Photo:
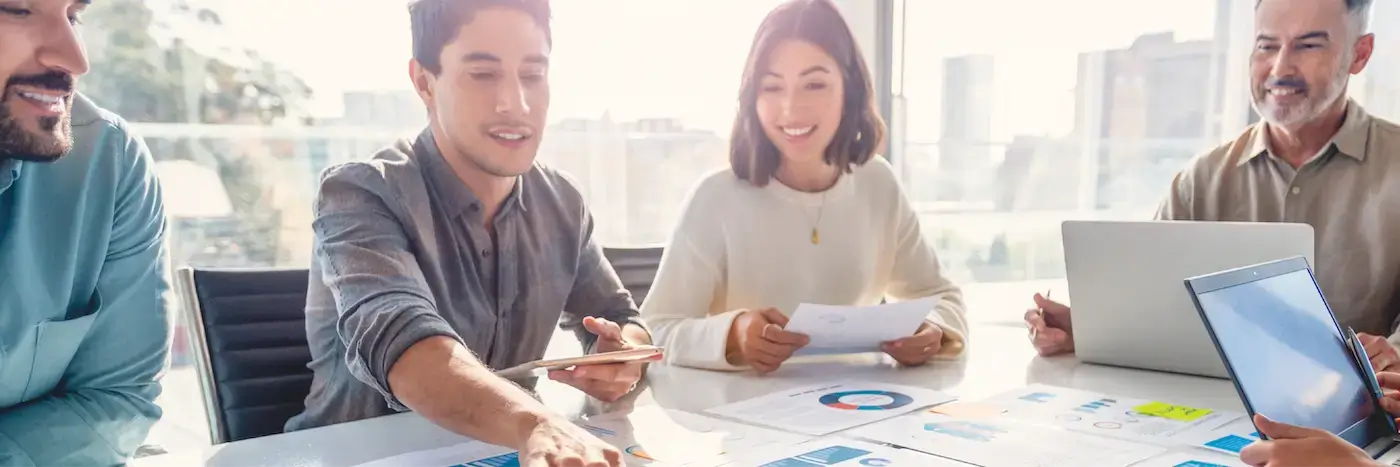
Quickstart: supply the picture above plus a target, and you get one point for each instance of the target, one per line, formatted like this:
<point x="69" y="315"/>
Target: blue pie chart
<point x="895" y="400"/>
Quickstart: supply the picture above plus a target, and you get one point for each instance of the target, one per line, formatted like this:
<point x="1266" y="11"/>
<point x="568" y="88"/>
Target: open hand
<point x="606" y="382"/>
<point x="757" y="338"/>
<point x="1049" y="326"/>
<point x="917" y="349"/>
<point x="558" y="443"/>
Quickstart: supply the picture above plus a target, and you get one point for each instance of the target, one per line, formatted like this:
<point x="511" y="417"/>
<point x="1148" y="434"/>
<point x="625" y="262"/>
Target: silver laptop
<point x="1125" y="286"/>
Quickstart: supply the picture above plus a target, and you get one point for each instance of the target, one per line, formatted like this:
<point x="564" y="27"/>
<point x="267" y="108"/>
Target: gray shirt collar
<point x="449" y="189"/>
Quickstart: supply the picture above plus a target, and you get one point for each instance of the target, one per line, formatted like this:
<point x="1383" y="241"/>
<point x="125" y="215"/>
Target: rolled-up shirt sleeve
<point x="383" y="302"/>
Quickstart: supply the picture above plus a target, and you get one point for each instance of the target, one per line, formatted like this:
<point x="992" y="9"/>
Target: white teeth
<point x="798" y="131"/>
<point x="1284" y="91"/>
<point x="508" y="136"/>
<point x="42" y="97"/>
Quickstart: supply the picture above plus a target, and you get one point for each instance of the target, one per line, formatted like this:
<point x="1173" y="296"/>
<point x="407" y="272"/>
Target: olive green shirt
<point x="1349" y="193"/>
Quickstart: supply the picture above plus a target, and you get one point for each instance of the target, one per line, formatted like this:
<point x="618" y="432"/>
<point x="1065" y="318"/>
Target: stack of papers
<point x="1036" y="426"/>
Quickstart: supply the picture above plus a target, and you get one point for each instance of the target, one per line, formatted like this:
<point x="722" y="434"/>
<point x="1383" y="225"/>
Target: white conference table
<point x="998" y="360"/>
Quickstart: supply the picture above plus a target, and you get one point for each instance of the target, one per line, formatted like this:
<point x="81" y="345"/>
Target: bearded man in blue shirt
<point x="83" y="279"/>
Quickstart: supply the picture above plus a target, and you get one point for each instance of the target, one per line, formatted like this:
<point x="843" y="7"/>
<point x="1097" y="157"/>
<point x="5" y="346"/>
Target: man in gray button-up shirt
<point x="445" y="256"/>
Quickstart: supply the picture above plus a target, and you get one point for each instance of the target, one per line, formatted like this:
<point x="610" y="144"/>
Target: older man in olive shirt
<point x="1317" y="158"/>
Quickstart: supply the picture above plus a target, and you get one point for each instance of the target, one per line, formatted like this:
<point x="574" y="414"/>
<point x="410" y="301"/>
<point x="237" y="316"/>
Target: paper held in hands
<point x="857" y="329"/>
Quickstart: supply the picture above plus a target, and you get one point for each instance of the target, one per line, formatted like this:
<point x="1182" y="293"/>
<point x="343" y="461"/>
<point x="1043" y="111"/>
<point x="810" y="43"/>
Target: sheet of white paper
<point x="470" y="454"/>
<point x="1104" y="415"/>
<point x="1192" y="458"/>
<point x="856" y="329"/>
<point x="1005" y="442"/>
<point x="839" y="452"/>
<point x="653" y="436"/>
<point x="828" y="408"/>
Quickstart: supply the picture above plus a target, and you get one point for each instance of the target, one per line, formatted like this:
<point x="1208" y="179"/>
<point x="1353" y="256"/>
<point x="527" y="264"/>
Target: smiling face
<point x="39" y="60"/>
<point x="1304" y="54"/>
<point x="800" y="99"/>
<point x="491" y="95"/>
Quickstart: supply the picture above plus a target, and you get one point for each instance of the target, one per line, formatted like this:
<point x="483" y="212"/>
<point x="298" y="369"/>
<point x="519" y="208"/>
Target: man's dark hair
<point x="752" y="156"/>
<point x="435" y="23"/>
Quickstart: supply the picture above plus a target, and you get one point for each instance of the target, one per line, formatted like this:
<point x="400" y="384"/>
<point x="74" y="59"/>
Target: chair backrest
<point x="637" y="267"/>
<point x="248" y="331"/>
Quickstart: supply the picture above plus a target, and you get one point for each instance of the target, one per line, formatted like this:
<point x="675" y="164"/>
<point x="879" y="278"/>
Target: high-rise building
<point x="1141" y="112"/>
<point x="966" y="157"/>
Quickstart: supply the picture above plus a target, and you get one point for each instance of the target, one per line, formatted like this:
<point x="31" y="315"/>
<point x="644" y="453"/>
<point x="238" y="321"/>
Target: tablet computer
<point x="1287" y="355"/>
<point x="538" y="367"/>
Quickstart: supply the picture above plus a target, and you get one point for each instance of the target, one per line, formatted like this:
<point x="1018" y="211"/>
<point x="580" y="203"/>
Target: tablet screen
<point x="1287" y="353"/>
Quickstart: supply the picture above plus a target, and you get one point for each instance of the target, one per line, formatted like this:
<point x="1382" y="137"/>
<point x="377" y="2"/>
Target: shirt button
<point x="1297" y="190"/>
<point x="485" y="253"/>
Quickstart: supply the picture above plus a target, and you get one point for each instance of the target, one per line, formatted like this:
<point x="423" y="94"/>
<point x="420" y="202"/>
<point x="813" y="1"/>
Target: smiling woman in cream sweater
<point x="805" y="213"/>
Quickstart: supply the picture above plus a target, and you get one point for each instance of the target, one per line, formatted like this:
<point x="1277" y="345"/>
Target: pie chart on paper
<point x="866" y="400"/>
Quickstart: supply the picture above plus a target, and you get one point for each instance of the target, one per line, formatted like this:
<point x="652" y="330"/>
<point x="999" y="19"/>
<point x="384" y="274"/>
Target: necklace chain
<point x="816" y="232"/>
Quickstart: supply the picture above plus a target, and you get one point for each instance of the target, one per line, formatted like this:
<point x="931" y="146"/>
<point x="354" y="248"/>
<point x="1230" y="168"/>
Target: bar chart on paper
<point x="472" y="454"/>
<point x="503" y="460"/>
<point x="1130" y="419"/>
<point x="1005" y="443"/>
<point x="839" y="452"/>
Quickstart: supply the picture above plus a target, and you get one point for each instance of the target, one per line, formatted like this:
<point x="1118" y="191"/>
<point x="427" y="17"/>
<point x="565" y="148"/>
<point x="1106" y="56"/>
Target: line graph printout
<point x="1004" y="443"/>
<point x="828" y="408"/>
<point x="1139" y="420"/>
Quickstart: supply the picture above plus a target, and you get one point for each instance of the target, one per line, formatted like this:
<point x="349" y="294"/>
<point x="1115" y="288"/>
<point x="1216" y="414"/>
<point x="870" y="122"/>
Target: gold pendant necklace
<point x="816" y="234"/>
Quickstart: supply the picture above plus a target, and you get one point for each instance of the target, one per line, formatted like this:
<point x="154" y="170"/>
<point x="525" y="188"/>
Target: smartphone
<point x="539" y="367"/>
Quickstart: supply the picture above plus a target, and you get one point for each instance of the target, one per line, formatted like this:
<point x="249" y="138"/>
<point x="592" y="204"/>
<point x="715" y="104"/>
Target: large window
<point x="1008" y="123"/>
<point x="1004" y="123"/>
<point x="244" y="103"/>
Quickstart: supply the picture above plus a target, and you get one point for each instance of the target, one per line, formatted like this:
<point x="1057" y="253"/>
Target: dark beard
<point x="17" y="143"/>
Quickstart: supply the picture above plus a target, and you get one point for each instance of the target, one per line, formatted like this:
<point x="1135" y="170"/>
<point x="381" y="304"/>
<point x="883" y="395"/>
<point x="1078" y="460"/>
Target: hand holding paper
<point x="856" y="329"/>
<point x="917" y="349"/>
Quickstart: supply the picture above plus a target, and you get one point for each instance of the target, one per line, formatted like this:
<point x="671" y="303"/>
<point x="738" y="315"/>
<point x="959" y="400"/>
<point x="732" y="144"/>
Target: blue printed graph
<point x="504" y="460"/>
<point x="1231" y="443"/>
<point x="966" y="430"/>
<point x="865" y="400"/>
<point x="1198" y="464"/>
<point x="828" y="456"/>
<point x="604" y="432"/>
<point x="1038" y="397"/>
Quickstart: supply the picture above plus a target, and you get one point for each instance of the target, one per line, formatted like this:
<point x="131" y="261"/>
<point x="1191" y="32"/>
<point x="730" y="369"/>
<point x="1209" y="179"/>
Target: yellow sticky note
<point x="1173" y="412"/>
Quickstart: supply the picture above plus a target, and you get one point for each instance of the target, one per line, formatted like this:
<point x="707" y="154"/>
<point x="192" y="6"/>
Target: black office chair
<point x="247" y="328"/>
<point x="637" y="267"/>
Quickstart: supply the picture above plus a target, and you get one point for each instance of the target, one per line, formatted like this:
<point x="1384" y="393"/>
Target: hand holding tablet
<point x="541" y="367"/>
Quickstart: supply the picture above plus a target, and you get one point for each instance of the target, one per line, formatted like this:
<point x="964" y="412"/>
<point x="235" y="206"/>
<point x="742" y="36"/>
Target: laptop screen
<point x="1287" y="353"/>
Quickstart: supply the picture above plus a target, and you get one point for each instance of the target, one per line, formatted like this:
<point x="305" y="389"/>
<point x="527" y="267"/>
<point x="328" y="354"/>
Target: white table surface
<point x="999" y="360"/>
